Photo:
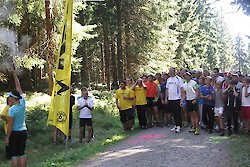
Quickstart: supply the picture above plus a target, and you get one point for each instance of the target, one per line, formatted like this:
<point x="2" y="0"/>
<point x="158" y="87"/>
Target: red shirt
<point x="151" y="89"/>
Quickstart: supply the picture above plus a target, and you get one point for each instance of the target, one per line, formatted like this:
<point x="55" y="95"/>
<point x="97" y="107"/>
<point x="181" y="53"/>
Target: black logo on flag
<point x="64" y="88"/>
<point x="61" y="117"/>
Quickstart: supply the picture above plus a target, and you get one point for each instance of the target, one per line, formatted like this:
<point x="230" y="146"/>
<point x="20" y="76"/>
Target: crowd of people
<point x="213" y="101"/>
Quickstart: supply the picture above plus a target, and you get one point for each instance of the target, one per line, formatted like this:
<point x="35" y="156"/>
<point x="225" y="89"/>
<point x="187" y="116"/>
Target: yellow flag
<point x="60" y="99"/>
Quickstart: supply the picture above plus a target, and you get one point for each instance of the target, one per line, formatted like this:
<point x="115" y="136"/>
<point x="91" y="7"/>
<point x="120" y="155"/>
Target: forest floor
<point x="158" y="147"/>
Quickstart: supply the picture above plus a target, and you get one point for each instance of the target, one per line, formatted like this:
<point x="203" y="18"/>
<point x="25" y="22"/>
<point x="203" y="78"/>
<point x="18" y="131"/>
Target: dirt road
<point x="158" y="147"/>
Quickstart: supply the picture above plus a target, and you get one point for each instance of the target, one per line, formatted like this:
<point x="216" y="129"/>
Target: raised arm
<point x="133" y="87"/>
<point x="17" y="83"/>
<point x="166" y="95"/>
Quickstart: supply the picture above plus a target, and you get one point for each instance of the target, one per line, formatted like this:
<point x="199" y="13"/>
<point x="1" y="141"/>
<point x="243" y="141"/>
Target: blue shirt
<point x="200" y="100"/>
<point x="207" y="91"/>
<point x="18" y="112"/>
<point x="163" y="90"/>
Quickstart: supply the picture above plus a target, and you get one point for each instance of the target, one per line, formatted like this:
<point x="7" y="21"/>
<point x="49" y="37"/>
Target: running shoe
<point x="173" y="129"/>
<point x="178" y="129"/>
<point x="196" y="131"/>
<point x="192" y="130"/>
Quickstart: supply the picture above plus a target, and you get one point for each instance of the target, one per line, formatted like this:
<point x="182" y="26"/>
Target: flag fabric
<point x="60" y="99"/>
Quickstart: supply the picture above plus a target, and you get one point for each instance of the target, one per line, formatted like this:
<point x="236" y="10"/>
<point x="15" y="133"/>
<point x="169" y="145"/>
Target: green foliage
<point x="242" y="56"/>
<point x="36" y="120"/>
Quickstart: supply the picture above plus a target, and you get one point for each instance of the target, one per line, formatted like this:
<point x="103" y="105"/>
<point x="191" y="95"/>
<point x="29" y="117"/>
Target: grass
<point x="240" y="146"/>
<point x="217" y="139"/>
<point x="40" y="149"/>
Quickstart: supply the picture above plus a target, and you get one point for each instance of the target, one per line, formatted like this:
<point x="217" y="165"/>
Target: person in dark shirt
<point x="72" y="103"/>
<point x="167" y="113"/>
<point x="231" y="104"/>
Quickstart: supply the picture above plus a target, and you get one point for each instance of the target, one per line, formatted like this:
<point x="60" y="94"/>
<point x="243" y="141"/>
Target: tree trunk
<point x="49" y="56"/>
<point x="114" y="65"/>
<point x="106" y="54"/>
<point x="119" y="41"/>
<point x="84" y="70"/>
<point x="26" y="80"/>
<point x="90" y="65"/>
<point x="127" y="41"/>
<point x="37" y="72"/>
<point x="102" y="72"/>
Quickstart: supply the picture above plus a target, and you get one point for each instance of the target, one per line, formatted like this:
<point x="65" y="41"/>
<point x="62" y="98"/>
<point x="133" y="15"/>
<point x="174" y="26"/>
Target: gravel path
<point x="158" y="147"/>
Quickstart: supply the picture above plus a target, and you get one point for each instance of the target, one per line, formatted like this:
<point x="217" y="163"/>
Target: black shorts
<point x="85" y="122"/>
<point x="163" y="107"/>
<point x="126" y="115"/>
<point x="151" y="103"/>
<point x="18" y="143"/>
<point x="191" y="107"/>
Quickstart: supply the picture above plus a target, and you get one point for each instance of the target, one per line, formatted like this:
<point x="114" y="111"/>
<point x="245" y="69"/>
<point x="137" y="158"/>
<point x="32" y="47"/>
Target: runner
<point x="219" y="107"/>
<point x="152" y="99"/>
<point x="158" y="81"/>
<point x="174" y="88"/>
<point x="129" y="85"/>
<point x="216" y="74"/>
<point x="158" y="78"/>
<point x="164" y="106"/>
<point x="200" y="101"/>
<point x="5" y="117"/>
<point x="145" y="78"/>
<point x="231" y="112"/>
<point x="140" y="90"/>
<point x="17" y="130"/>
<point x="72" y="103"/>
<point x="124" y="96"/>
<point x="207" y="93"/>
<point x="85" y="105"/>
<point x="191" y="93"/>
<point x="245" y="99"/>
<point x="206" y="73"/>
<point x="184" y="113"/>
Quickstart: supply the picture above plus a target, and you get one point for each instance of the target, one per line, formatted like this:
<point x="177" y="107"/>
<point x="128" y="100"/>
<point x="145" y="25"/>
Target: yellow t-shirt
<point x="140" y="95"/>
<point x="5" y="113"/>
<point x="132" y="101"/>
<point x="157" y="82"/>
<point x="124" y="103"/>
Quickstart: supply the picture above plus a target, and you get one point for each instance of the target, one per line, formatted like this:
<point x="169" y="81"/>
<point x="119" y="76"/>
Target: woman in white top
<point x="245" y="104"/>
<point x="191" y="93"/>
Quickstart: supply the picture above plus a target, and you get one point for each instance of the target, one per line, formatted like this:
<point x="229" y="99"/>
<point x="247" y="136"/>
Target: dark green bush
<point x="36" y="121"/>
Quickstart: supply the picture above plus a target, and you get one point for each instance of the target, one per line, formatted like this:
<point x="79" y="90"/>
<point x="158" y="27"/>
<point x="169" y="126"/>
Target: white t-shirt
<point x="174" y="85"/>
<point x="245" y="101"/>
<point x="85" y="112"/>
<point x="219" y="79"/>
<point x="190" y="88"/>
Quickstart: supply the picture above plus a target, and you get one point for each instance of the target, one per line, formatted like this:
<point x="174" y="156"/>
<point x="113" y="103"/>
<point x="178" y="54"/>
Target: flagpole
<point x="66" y="148"/>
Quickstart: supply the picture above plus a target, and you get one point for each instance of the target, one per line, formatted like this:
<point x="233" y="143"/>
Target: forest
<point x="113" y="39"/>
